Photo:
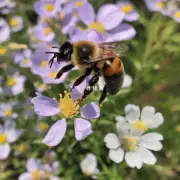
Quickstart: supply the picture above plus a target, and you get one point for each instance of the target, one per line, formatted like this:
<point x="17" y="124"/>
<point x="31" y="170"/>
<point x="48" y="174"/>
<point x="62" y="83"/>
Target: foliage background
<point x="153" y="61"/>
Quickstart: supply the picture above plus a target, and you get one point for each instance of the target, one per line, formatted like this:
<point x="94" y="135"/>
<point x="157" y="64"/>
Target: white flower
<point x="135" y="149"/>
<point x="8" y="134"/>
<point x="127" y="81"/>
<point x="15" y="84"/>
<point x="89" y="166"/>
<point x="140" y="121"/>
<point x="16" y="23"/>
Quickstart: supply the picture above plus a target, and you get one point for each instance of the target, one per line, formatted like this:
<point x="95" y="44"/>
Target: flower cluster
<point x="131" y="141"/>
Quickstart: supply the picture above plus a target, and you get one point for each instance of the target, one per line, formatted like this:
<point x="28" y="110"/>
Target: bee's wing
<point x="120" y="48"/>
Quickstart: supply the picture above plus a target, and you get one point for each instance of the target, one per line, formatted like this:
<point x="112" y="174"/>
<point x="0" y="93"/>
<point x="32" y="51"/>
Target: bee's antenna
<point x="55" y="47"/>
<point x="51" y="52"/>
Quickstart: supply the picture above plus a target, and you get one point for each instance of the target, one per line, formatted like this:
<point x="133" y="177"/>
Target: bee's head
<point x="66" y="51"/>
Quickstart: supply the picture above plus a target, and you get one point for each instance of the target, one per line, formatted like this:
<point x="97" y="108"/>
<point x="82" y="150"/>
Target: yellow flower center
<point x="97" y="26"/>
<point x="3" y="138"/>
<point x="52" y="74"/>
<point x="177" y="15"/>
<point x="25" y="61"/>
<point x="8" y="113"/>
<point x="127" y="8"/>
<point x="11" y="82"/>
<point x="47" y="175"/>
<point x="61" y="16"/>
<point x="129" y="143"/>
<point x="49" y="7"/>
<point x="3" y="51"/>
<point x="36" y="175"/>
<point x="21" y="148"/>
<point x="160" y="4"/>
<point x="44" y="63"/>
<point x="47" y="30"/>
<point x="79" y="3"/>
<point x="139" y="126"/>
<point x="14" y="22"/>
<point x="42" y="86"/>
<point x="43" y="127"/>
<point x="68" y="107"/>
<point x="87" y="172"/>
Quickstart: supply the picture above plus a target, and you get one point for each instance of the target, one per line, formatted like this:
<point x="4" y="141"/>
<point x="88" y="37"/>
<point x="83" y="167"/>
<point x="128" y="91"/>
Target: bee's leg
<point x="82" y="78"/>
<point x="103" y="95"/>
<point x="63" y="70"/>
<point x="87" y="91"/>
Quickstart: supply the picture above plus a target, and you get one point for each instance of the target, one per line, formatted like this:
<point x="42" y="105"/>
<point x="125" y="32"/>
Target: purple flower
<point x="46" y="8"/>
<point x="7" y="6"/>
<point x="107" y="18"/>
<point x="176" y="16"/>
<point x="43" y="32"/>
<point x="23" y="58"/>
<point x="8" y="134"/>
<point x="45" y="106"/>
<point x="130" y="13"/>
<point x="41" y="67"/>
<point x="4" y="30"/>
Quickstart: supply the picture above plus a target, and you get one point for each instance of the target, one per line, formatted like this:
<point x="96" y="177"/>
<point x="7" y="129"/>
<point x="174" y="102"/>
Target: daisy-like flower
<point x="43" y="32"/>
<point x="141" y="122"/>
<point x="46" y="8"/>
<point x="107" y="18"/>
<point x="34" y="170"/>
<point x="89" y="166"/>
<point x="6" y="110"/>
<point x="16" y="23"/>
<point x="133" y="147"/>
<point x="4" y="31"/>
<point x="42" y="127"/>
<point x="7" y="6"/>
<point x="67" y="107"/>
<point x="130" y="13"/>
<point x="176" y="15"/>
<point x="40" y="87"/>
<point x="40" y="66"/>
<point x="8" y="135"/>
<point x="21" y="149"/>
<point x="23" y="58"/>
<point x="15" y="84"/>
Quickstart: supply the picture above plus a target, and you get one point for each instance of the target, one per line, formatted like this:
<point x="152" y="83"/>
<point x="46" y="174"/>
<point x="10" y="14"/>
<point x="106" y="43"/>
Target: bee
<point x="99" y="59"/>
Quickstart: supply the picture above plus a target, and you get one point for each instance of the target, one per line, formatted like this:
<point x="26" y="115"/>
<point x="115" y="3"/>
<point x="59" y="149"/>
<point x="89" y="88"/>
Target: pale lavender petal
<point x="25" y="176"/>
<point x="133" y="16"/>
<point x="90" y="111"/>
<point x="45" y="106"/>
<point x="122" y="32"/>
<point x="82" y="128"/>
<point x="77" y="34"/>
<point x="87" y="13"/>
<point x="110" y="16"/>
<point x="56" y="133"/>
<point x="4" y="151"/>
<point x="4" y="30"/>
<point x="94" y="36"/>
<point x="32" y="164"/>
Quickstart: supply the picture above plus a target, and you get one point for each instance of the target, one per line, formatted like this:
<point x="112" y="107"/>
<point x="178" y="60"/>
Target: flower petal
<point x="4" y="151"/>
<point x="25" y="176"/>
<point x="132" y="112"/>
<point x="110" y="16"/>
<point x="56" y="133"/>
<point x="90" y="111"/>
<point x="151" y="141"/>
<point x="45" y="106"/>
<point x="89" y="17"/>
<point x="146" y="156"/>
<point x="116" y="155"/>
<point x="82" y="128"/>
<point x="112" y="141"/>
<point x="94" y="36"/>
<point x="32" y="164"/>
<point x="147" y="113"/>
<point x="157" y="120"/>
<point x="133" y="160"/>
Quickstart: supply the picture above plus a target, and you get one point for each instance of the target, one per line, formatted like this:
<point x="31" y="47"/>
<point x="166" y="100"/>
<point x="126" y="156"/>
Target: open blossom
<point x="8" y="135"/>
<point x="23" y="58"/>
<point x="130" y="13"/>
<point x="89" y="166"/>
<point x="16" y="23"/>
<point x="140" y="122"/>
<point x="7" y="6"/>
<point x="46" y="8"/>
<point x="67" y="107"/>
<point x="40" y="66"/>
<point x="15" y="84"/>
<point x="6" y="111"/>
<point x="4" y="30"/>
